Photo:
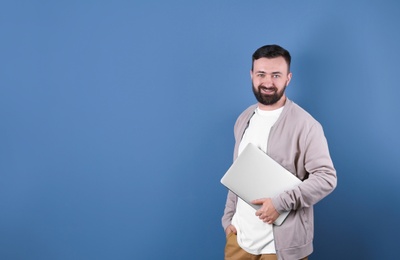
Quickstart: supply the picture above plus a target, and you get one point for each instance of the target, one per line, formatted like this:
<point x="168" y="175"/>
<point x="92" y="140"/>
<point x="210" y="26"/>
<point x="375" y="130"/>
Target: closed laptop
<point x="255" y="175"/>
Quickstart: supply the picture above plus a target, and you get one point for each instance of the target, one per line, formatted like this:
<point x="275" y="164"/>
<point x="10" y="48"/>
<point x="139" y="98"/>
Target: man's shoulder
<point x="296" y="112"/>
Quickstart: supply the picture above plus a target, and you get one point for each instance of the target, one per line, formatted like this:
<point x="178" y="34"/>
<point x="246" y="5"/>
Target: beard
<point x="268" y="99"/>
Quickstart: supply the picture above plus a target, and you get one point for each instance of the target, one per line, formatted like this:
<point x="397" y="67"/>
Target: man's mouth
<point x="267" y="91"/>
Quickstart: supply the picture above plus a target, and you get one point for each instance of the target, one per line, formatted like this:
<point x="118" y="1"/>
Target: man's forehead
<point x="266" y="65"/>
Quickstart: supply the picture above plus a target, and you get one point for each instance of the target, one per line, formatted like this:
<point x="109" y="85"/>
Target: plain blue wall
<point x="117" y="116"/>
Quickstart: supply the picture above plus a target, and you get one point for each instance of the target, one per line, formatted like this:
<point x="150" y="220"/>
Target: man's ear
<point x="289" y="78"/>
<point x="251" y="74"/>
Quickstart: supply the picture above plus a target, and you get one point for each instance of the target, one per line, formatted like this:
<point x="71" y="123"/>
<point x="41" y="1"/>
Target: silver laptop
<point x="255" y="175"/>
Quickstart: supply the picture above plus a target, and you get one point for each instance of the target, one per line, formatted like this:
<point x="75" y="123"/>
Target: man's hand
<point x="230" y="229"/>
<point x="267" y="213"/>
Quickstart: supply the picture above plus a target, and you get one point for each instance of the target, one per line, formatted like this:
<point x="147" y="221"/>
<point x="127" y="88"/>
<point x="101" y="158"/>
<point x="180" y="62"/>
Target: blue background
<point x="117" y="117"/>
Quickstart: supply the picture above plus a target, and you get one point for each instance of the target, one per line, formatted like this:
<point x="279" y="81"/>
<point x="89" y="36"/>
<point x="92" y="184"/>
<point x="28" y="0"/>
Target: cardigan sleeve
<point x="230" y="209"/>
<point x="315" y="168"/>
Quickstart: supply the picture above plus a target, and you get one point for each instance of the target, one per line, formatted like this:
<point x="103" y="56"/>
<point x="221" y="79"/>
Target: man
<point x="293" y="138"/>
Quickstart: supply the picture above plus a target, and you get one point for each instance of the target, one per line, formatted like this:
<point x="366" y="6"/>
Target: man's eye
<point x="261" y="75"/>
<point x="276" y="76"/>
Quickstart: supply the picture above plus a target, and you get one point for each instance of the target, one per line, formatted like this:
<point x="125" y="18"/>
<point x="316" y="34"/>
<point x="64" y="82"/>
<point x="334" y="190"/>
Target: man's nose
<point x="267" y="80"/>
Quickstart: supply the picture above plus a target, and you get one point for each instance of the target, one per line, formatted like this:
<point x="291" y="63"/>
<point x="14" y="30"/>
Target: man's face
<point x="270" y="78"/>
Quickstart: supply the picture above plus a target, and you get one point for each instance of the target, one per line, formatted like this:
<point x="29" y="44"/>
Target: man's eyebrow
<point x="273" y="73"/>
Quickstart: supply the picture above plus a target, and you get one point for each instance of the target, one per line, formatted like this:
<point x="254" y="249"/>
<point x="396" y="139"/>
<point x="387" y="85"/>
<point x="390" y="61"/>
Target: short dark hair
<point x="271" y="51"/>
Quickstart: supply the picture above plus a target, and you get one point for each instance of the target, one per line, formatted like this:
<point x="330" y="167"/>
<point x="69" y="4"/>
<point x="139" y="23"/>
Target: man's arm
<point x="321" y="174"/>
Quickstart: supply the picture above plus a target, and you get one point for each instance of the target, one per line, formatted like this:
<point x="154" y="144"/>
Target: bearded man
<point x="293" y="138"/>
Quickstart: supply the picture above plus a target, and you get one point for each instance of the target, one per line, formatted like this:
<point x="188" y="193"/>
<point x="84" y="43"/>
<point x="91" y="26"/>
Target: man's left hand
<point x="267" y="213"/>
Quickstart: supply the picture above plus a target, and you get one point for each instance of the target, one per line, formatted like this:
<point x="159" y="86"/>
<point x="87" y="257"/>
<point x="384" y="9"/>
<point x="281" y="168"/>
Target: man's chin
<point x="269" y="100"/>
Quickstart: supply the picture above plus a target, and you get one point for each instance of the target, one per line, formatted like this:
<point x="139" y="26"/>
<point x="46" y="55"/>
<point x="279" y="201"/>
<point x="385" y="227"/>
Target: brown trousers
<point x="234" y="252"/>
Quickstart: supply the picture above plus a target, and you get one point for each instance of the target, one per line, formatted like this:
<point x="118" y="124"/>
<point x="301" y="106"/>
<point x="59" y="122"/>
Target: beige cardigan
<point x="298" y="143"/>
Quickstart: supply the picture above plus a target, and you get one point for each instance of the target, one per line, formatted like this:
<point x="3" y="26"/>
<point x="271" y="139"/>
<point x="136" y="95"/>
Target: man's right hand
<point x="230" y="229"/>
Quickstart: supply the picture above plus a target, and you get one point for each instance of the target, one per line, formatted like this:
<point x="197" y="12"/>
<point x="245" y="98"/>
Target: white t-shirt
<point x="255" y="236"/>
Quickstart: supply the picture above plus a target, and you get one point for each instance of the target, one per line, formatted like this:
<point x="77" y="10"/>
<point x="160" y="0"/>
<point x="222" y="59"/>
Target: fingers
<point x="267" y="212"/>
<point x="233" y="229"/>
<point x="267" y="219"/>
<point x="267" y="216"/>
<point x="258" y="201"/>
<point x="230" y="229"/>
<point x="262" y="214"/>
